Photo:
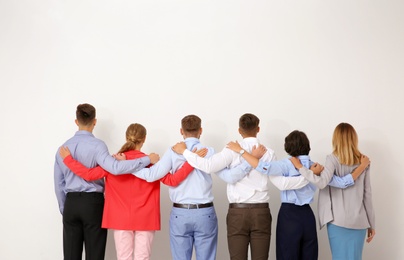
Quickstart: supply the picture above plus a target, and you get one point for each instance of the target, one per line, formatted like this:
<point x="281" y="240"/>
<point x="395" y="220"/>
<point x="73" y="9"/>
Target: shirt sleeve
<point x="213" y="164"/>
<point x="59" y="182"/>
<point x="116" y="167"/>
<point x="89" y="174"/>
<point x="180" y="175"/>
<point x="342" y="182"/>
<point x="233" y="175"/>
<point x="326" y="175"/>
<point x="158" y="170"/>
<point x="288" y="183"/>
<point x="271" y="168"/>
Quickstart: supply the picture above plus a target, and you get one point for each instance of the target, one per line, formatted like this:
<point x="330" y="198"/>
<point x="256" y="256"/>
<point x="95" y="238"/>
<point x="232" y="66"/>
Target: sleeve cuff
<point x="349" y="181"/>
<point x="246" y="167"/>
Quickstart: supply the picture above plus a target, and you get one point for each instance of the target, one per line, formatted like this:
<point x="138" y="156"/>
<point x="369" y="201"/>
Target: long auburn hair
<point x="135" y="134"/>
<point x="345" y="144"/>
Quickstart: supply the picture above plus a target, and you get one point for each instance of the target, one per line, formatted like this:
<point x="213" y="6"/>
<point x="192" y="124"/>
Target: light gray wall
<point x="305" y="65"/>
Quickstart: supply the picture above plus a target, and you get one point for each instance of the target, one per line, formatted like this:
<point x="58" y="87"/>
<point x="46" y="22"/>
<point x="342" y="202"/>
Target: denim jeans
<point x="193" y="228"/>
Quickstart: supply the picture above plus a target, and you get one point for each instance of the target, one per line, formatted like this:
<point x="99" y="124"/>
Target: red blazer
<point x="131" y="203"/>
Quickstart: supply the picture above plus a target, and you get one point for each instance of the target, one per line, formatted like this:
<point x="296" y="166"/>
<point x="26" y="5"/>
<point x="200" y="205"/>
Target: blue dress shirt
<point x="195" y="189"/>
<point x="91" y="152"/>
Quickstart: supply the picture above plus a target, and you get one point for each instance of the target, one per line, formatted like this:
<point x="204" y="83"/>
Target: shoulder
<point x="133" y="154"/>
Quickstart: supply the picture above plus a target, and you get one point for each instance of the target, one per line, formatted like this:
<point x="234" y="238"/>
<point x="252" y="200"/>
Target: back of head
<point x="85" y="114"/>
<point x="135" y="135"/>
<point x="249" y="124"/>
<point x="191" y="125"/>
<point x="297" y="143"/>
<point x="345" y="144"/>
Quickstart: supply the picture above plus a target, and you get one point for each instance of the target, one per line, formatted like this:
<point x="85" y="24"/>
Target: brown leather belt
<point x="193" y="206"/>
<point x="248" y="205"/>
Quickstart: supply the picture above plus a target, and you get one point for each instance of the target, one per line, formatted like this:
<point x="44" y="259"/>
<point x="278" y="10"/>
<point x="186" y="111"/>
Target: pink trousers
<point x="131" y="245"/>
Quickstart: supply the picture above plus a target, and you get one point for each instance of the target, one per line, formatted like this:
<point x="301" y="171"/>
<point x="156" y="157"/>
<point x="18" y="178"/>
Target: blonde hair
<point x="135" y="134"/>
<point x="345" y="144"/>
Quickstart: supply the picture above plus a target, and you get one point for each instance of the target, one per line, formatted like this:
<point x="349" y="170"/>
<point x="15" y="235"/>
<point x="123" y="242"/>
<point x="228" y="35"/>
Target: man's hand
<point x="317" y="168"/>
<point x="259" y="151"/>
<point x="64" y="152"/>
<point x="201" y="152"/>
<point x="119" y="156"/>
<point x="179" y="147"/>
<point x="154" y="158"/>
<point x="371" y="234"/>
<point x="234" y="146"/>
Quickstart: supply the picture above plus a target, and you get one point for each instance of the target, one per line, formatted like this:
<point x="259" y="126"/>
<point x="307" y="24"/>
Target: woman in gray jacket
<point x="348" y="213"/>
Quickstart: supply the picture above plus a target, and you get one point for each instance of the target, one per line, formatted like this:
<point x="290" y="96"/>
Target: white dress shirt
<point x="253" y="187"/>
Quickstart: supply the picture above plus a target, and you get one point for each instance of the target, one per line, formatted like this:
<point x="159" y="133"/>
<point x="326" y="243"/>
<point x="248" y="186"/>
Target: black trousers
<point x="82" y="217"/>
<point x="296" y="234"/>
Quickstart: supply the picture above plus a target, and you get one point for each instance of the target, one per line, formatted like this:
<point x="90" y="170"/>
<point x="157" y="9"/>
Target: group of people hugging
<point x="97" y="191"/>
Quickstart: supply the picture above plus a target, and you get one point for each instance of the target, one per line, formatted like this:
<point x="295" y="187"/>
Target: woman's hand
<point x="371" y="234"/>
<point x="259" y="151"/>
<point x="64" y="152"/>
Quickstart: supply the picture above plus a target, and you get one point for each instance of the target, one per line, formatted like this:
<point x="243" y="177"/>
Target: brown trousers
<point x="249" y="225"/>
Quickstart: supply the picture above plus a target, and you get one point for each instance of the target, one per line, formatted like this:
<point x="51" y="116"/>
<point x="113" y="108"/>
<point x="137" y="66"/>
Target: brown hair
<point x="191" y="124"/>
<point x="249" y="124"/>
<point x="345" y="144"/>
<point x="135" y="134"/>
<point x="85" y="114"/>
<point x="297" y="143"/>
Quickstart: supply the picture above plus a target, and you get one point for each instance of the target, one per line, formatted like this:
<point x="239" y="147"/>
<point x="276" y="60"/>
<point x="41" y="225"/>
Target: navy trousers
<point x="296" y="235"/>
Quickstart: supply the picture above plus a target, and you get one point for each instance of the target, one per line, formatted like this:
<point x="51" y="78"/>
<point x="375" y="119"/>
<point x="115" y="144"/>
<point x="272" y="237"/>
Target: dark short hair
<point x="85" y="114"/>
<point x="191" y="124"/>
<point x="249" y="124"/>
<point x="297" y="143"/>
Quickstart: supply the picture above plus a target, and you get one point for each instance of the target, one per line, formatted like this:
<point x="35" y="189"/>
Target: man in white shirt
<point x="249" y="218"/>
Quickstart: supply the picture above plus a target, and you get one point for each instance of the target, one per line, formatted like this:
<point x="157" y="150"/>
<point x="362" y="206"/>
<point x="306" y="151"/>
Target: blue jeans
<point x="193" y="227"/>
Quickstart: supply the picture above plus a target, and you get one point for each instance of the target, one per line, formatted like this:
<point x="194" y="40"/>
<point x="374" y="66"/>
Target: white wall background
<point x="305" y="65"/>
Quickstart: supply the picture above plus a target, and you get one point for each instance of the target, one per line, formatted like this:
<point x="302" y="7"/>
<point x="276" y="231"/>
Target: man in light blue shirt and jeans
<point x="193" y="221"/>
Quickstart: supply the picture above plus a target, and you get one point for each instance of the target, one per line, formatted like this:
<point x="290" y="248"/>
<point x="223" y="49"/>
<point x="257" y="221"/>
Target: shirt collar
<point x="83" y="132"/>
<point x="253" y="140"/>
<point x="191" y="140"/>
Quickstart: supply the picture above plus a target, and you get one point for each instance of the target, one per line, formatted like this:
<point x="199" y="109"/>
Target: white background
<point x="305" y="65"/>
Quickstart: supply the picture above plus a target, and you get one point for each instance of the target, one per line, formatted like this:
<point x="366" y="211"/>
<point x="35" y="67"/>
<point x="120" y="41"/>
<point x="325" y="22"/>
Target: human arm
<point x="368" y="204"/>
<point x="180" y="175"/>
<point x="288" y="183"/>
<point x="341" y="182"/>
<point x="158" y="170"/>
<point x="176" y="178"/>
<point x="253" y="161"/>
<point x="235" y="174"/>
<point x="213" y="164"/>
<point x="59" y="183"/>
<point x="327" y="173"/>
<point x="116" y="167"/>
<point x="88" y="174"/>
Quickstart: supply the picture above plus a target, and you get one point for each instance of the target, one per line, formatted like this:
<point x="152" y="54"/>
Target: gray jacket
<point x="351" y="207"/>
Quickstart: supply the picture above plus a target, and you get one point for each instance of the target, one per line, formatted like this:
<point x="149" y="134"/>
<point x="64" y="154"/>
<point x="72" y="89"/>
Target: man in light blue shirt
<point x="193" y="221"/>
<point x="80" y="202"/>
